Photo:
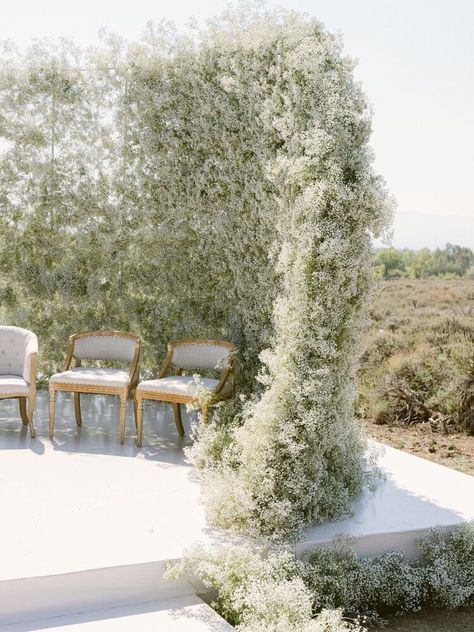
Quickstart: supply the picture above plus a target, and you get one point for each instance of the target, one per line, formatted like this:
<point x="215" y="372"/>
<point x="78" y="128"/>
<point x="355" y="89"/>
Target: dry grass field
<point x="417" y="373"/>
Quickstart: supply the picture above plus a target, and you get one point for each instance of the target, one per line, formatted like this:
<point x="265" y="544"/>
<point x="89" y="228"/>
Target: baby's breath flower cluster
<point x="272" y="591"/>
<point x="447" y="563"/>
<point x="442" y="576"/>
<point x="294" y="457"/>
<point x="258" y="592"/>
<point x="215" y="184"/>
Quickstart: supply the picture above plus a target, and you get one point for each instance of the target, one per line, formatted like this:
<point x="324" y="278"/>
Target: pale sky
<point x="416" y="62"/>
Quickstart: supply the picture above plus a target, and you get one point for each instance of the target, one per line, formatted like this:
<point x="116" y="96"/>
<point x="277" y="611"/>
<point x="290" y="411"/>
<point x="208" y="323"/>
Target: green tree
<point x="391" y="262"/>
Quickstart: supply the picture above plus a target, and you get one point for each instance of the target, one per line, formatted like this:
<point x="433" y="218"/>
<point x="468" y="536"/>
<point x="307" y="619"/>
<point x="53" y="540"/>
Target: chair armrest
<point x="69" y="355"/>
<point x="226" y="375"/>
<point x="29" y="366"/>
<point x="134" y="366"/>
<point x="33" y="360"/>
<point x="166" y="364"/>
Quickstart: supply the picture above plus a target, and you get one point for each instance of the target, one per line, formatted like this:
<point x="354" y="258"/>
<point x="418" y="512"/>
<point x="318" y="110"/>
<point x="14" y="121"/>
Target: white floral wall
<point x="216" y="184"/>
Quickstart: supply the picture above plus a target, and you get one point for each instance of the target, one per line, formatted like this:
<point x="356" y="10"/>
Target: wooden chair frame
<point x="27" y="416"/>
<point x="77" y="389"/>
<point x="177" y="400"/>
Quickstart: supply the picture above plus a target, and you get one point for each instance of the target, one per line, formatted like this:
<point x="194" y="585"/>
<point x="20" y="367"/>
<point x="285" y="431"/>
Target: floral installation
<point x="332" y="589"/>
<point x="213" y="184"/>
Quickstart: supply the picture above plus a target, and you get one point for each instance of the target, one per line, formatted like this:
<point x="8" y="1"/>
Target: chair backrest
<point x="105" y="345"/>
<point x="202" y="354"/>
<point x="16" y="346"/>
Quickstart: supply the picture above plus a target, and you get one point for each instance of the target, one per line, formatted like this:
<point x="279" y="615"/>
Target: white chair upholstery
<point x="13" y="384"/>
<point x="104" y="348"/>
<point x="200" y="355"/>
<point x="97" y="345"/>
<point x="16" y="348"/>
<point x="181" y="385"/>
<point x="89" y="376"/>
<point x="18" y="353"/>
<point x="182" y="389"/>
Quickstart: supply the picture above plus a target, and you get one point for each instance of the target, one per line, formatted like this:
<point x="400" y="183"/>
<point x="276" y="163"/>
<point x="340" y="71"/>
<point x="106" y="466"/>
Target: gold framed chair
<point x="103" y="346"/>
<point x="18" y="355"/>
<point x="177" y="389"/>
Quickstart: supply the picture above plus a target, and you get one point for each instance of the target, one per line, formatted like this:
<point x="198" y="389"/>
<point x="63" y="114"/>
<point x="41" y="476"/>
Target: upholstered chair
<point x="110" y="346"/>
<point x="179" y="388"/>
<point x="18" y="353"/>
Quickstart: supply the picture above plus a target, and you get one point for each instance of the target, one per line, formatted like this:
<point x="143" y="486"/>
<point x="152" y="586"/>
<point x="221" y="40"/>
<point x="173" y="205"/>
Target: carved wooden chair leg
<point x="24" y="416"/>
<point x="178" y="420"/>
<point x="123" y="415"/>
<point x="139" y="421"/>
<point x="31" y="410"/>
<point x="205" y="414"/>
<point x="52" y="412"/>
<point x="135" y="405"/>
<point x="77" y="408"/>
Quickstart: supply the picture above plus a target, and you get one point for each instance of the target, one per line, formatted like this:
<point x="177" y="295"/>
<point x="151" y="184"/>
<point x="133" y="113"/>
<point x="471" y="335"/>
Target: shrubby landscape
<point x="418" y="359"/>
<point x="416" y="380"/>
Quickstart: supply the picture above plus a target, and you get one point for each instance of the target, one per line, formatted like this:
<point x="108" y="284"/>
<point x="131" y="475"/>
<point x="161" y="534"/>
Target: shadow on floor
<point x="99" y="433"/>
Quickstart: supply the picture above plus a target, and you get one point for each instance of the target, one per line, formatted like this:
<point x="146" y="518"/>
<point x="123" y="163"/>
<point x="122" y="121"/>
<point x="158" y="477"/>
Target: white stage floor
<point x="84" y="501"/>
<point x="88" y="524"/>
<point x="415" y="495"/>
<point x="178" y="614"/>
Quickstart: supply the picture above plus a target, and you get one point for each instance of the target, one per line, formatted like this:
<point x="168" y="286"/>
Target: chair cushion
<point x="180" y="385"/>
<point x="90" y="376"/>
<point x="13" y="384"/>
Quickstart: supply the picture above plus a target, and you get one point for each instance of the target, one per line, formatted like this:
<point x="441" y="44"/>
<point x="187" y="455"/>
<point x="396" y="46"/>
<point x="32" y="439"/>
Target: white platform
<point x="179" y="614"/>
<point x="414" y="496"/>
<point x="85" y="502"/>
<point x="88" y="524"/>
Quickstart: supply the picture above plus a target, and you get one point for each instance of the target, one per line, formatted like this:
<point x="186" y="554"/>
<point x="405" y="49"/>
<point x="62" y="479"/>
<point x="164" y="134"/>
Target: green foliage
<point x="374" y="587"/>
<point x="257" y="591"/>
<point x="449" y="263"/>
<point x="418" y="363"/>
<point x="217" y="184"/>
<point x="392" y="584"/>
<point x="297" y="457"/>
<point x="447" y="567"/>
<point x="272" y="590"/>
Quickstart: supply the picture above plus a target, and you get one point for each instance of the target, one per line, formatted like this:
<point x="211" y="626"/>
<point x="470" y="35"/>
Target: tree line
<point x="449" y="262"/>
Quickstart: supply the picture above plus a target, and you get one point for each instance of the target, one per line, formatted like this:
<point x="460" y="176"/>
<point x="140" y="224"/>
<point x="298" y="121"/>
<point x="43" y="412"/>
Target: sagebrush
<point x="418" y="362"/>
